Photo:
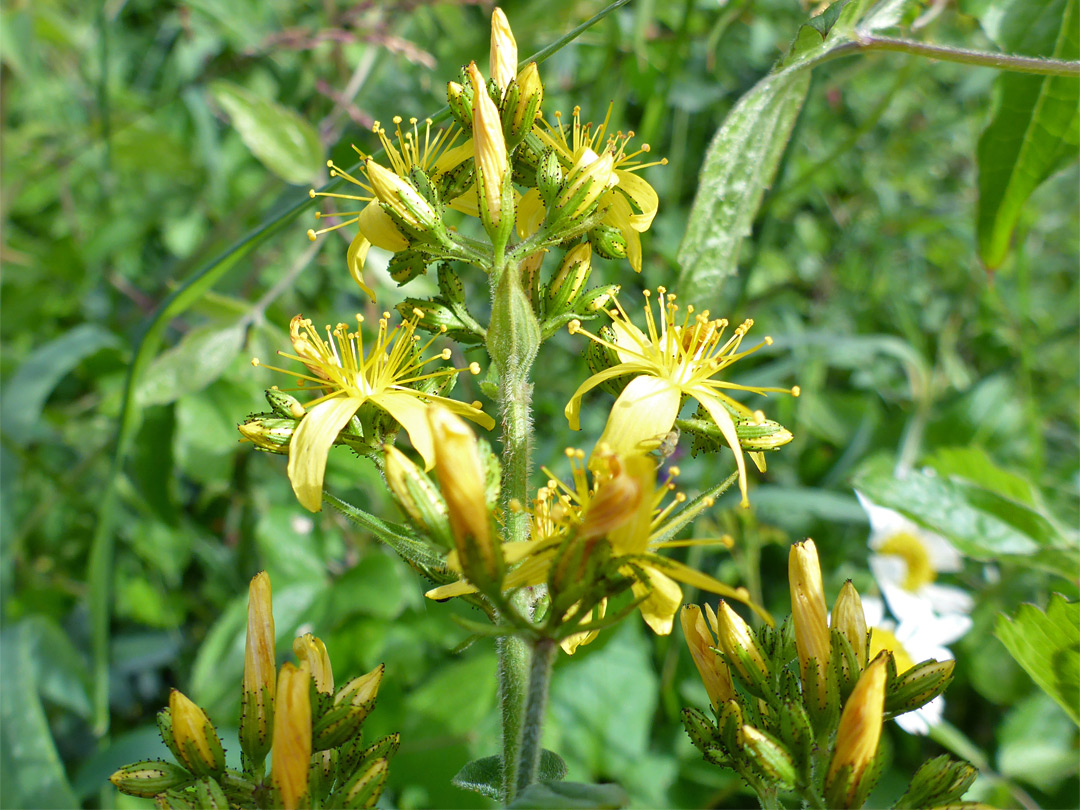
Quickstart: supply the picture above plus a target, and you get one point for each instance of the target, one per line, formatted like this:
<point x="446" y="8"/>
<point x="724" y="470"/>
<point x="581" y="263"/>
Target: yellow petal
<point x="659" y="608"/>
<point x="410" y="412"/>
<point x="310" y="447"/>
<point x="646" y="409"/>
<point x="684" y="573"/>
<point x="380" y="230"/>
<point x="468" y="203"/>
<point x="726" y="424"/>
<point x="452" y="158"/>
<point x="620" y="215"/>
<point x="459" y="588"/>
<point x="463" y="409"/>
<point x="355" y="258"/>
<point x="572" y="411"/>
<point x="530" y="213"/>
<point x="630" y="341"/>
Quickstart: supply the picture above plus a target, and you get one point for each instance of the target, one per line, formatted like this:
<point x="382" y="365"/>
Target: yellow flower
<point x="434" y="153"/>
<point x="623" y="505"/>
<point x="260" y="669"/>
<point x="492" y="165"/>
<point x="631" y="204"/>
<point x="292" y="736"/>
<point x="349" y="378"/>
<point x="710" y="666"/>
<point x="808" y="611"/>
<point x="857" y="738"/>
<point x="503" y="51"/>
<point x="669" y="361"/>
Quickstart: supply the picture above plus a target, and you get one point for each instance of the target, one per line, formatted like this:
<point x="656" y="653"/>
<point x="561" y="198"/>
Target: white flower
<point x="906" y="560"/>
<point x="920" y="636"/>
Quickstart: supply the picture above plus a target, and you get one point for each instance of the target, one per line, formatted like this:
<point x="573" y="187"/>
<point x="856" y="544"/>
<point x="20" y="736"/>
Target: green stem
<point x="543" y="659"/>
<point x="513" y="680"/>
<point x="967" y="56"/>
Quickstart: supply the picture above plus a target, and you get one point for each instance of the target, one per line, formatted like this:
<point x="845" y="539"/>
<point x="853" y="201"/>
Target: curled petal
<point x="726" y="424"/>
<point x="380" y="230"/>
<point x="355" y="258"/>
<point x="664" y="599"/>
<point x="644" y="197"/>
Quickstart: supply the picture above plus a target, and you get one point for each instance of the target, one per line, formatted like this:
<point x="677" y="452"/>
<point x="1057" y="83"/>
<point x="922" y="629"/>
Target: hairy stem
<point x="543" y="658"/>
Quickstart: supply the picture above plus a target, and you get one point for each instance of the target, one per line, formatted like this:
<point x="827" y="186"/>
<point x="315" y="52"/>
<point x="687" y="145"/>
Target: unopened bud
<point x="701" y="730"/>
<point x="917" y="686"/>
<point x="260" y="673"/>
<point x="380" y="229"/>
<point x="311" y="651"/>
<point x="590" y="177"/>
<point x="284" y="405"/>
<point x="365" y="787"/>
<point x="938" y="782"/>
<point x="809" y="616"/>
<point x="292" y="736"/>
<point x="196" y="739"/>
<point x="522" y="103"/>
<point x="362" y="690"/>
<point x="405" y="265"/>
<point x="857" y="737"/>
<point x="450" y="285"/>
<point x="459" y="98"/>
<point x="272" y="434"/>
<point x="210" y="796"/>
<point x="710" y="666"/>
<point x="608" y="241"/>
<point x="739" y="646"/>
<point x="149" y="778"/>
<point x="401" y="197"/>
<point x="549" y="177"/>
<point x="564" y="289"/>
<point x="850" y="620"/>
<point x="597" y="299"/>
<point x="438" y="318"/>
<point x="492" y="165"/>
<point x="503" y="50"/>
<point x="763" y="435"/>
<point x="769" y="755"/>
<point x="417" y="495"/>
<point x="462" y="480"/>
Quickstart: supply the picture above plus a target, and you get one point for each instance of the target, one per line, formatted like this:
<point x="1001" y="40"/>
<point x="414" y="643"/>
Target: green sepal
<point x="255" y="736"/>
<point x="177" y="800"/>
<point x="363" y="788"/>
<point x="209" y="795"/>
<point x="149" y="777"/>
<point x="607" y="241"/>
<point x="939" y="781"/>
<point x="282" y="404"/>
<point x="917" y="686"/>
<point x="549" y="177"/>
<point x="700" y="728"/>
<point x="338" y="724"/>
<point x="164" y="724"/>
<point x="769" y="757"/>
<point x="321" y="775"/>
<point x="405" y="265"/>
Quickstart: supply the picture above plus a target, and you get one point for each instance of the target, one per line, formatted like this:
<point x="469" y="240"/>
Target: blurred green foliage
<point x="142" y="138"/>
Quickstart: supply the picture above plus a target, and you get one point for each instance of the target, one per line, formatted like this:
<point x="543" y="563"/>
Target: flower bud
<point x="549" y="177"/>
<point x="450" y="286"/>
<point x="260" y="673"/>
<point x="417" y="496"/>
<point x="608" y="241"/>
<point x="729" y="724"/>
<point x="849" y="619"/>
<point x="149" y="778"/>
<point x="380" y="229"/>
<point x="311" y="651"/>
<point x="769" y="755"/>
<point x="701" y="730"/>
<point x="405" y="265"/>
<point x="400" y="197"/>
<point x="764" y="435"/>
<point x="917" y="686"/>
<point x="271" y="434"/>
<point x="938" y="782"/>
<point x="492" y="164"/>
<point x="808" y="615"/>
<point x="849" y="778"/>
<point x="284" y="405"/>
<point x="459" y="98"/>
<point x="364" y="788"/>
<point x="437" y="318"/>
<point x="742" y="651"/>
<point x="503" y="51"/>
<point x="590" y="177"/>
<point x="210" y="796"/>
<point x="597" y="299"/>
<point x="563" y="291"/>
<point x="362" y="690"/>
<point x="710" y="666"/>
<point x="292" y="736"/>
<point x="521" y="104"/>
<point x="195" y="736"/>
<point x="462" y="480"/>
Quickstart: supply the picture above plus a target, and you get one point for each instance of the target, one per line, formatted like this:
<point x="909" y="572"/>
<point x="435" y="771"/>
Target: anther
<point x="474" y="368"/>
<point x="795" y="390"/>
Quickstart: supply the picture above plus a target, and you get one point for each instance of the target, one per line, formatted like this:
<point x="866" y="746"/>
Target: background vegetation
<point x="142" y="138"/>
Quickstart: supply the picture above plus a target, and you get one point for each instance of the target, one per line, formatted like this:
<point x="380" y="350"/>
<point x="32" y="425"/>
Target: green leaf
<point x="33" y="773"/>
<point x="554" y="795"/>
<point x="26" y="392"/>
<point x="1047" y="646"/>
<point x="975" y="465"/>
<point x="484" y="775"/>
<point x="739" y="166"/>
<point x="283" y="141"/>
<point x="980" y="523"/>
<point x="1035" y="743"/>
<point x="200" y="357"/>
<point x="1035" y="127"/>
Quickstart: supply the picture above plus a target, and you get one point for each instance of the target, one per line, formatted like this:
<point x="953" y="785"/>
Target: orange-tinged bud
<point x="503" y="50"/>
<point x="712" y="669"/>
<point x="489" y="144"/>
<point x="310" y="650"/>
<point x="195" y="736"/>
<point x="738" y="643"/>
<point x="292" y="736"/>
<point x="849" y="619"/>
<point x="808" y="611"/>
<point x="260" y="671"/>
<point x="462" y="481"/>
<point x="857" y="738"/>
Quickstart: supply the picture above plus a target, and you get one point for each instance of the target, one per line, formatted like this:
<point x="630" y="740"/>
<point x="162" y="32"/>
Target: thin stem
<point x="543" y="658"/>
<point x="512" y="671"/>
<point x="946" y="53"/>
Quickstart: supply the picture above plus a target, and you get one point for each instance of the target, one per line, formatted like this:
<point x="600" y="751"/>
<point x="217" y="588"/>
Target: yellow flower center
<point x="881" y="639"/>
<point x="912" y="550"/>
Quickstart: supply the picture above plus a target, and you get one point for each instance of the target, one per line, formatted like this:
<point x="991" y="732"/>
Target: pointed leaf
<point x="1047" y="646"/>
<point x="200" y="357"/>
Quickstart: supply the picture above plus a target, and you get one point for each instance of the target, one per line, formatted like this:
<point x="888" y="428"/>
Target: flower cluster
<point x="313" y="734"/>
<point x="817" y="732"/>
